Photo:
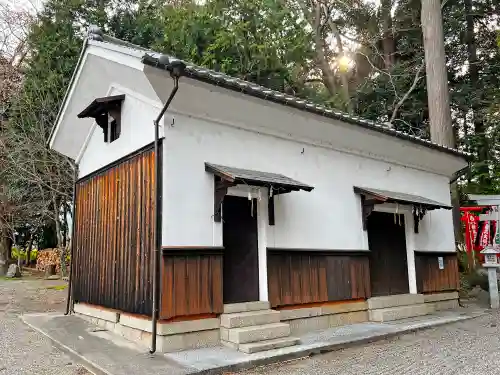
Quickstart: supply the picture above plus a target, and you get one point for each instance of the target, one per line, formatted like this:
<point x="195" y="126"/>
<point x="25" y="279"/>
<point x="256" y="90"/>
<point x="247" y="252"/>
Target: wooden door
<point x="388" y="263"/>
<point x="240" y="264"/>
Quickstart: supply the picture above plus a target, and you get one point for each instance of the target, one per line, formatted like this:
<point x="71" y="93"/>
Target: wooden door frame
<point x="410" y="239"/>
<point x="261" y="194"/>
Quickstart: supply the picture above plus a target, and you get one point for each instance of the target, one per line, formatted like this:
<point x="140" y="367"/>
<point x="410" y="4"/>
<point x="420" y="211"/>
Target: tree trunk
<point x="320" y="49"/>
<point x="61" y="248"/>
<point x="342" y="70"/>
<point x="476" y="98"/>
<point x="388" y="44"/>
<point x="28" y="251"/>
<point x="59" y="236"/>
<point x="437" y="78"/>
<point x="4" y="248"/>
<point x="441" y="128"/>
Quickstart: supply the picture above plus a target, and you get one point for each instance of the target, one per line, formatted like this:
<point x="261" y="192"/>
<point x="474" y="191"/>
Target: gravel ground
<point x="470" y="347"/>
<point x="23" y="351"/>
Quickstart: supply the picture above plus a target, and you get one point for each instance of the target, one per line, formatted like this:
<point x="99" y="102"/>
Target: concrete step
<point x="249" y="318"/>
<point x="246" y="306"/>
<point x="395" y="300"/>
<point x="262" y="332"/>
<point x="260" y="346"/>
<point x="399" y="312"/>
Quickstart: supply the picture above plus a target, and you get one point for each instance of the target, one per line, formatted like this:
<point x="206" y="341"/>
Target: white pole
<point x="493" y="286"/>
<point x="262" y="223"/>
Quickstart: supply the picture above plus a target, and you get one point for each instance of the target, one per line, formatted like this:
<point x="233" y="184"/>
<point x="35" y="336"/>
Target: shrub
<point x="17" y="253"/>
<point x="479" y="279"/>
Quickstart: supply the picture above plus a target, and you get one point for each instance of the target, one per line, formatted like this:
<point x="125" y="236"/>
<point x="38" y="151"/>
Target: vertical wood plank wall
<point x="191" y="283"/>
<point x="300" y="277"/>
<point x="114" y="235"/>
<point x="430" y="279"/>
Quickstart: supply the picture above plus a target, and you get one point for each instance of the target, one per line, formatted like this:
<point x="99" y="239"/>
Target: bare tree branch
<point x="407" y="93"/>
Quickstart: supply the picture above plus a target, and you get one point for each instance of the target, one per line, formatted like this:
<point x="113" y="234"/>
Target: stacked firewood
<point x="48" y="257"/>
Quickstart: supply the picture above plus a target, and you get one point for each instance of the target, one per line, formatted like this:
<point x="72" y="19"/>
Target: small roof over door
<point x="385" y="196"/>
<point x="372" y="197"/>
<point x="280" y="184"/>
<point x="230" y="176"/>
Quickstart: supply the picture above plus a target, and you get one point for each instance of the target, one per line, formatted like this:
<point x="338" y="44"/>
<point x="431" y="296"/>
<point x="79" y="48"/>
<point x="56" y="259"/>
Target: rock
<point x="13" y="271"/>
<point x="50" y="270"/>
<point x="475" y="291"/>
<point x="482" y="271"/>
<point x="53" y="277"/>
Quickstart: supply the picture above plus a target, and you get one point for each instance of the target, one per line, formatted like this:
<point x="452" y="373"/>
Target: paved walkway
<point x="111" y="354"/>
<point x="470" y="347"/>
<point x="104" y="352"/>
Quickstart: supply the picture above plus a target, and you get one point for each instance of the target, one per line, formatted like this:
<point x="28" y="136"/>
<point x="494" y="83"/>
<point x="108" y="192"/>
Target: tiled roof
<point x="252" y="177"/>
<point x="403" y="198"/>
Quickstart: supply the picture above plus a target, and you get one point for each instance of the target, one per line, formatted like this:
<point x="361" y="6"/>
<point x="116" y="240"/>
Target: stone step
<point x="249" y="318"/>
<point x="260" y="346"/>
<point x="395" y="300"/>
<point x="399" y="312"/>
<point x="246" y="306"/>
<point x="262" y="332"/>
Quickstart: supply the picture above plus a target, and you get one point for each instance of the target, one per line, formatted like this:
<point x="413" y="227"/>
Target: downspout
<point x="69" y="301"/>
<point x="176" y="69"/>
<point x="460" y="173"/>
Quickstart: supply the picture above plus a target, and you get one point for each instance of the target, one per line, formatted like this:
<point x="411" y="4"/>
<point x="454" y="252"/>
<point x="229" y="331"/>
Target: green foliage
<point x="257" y="40"/>
<point x="58" y="287"/>
<point x="17" y="253"/>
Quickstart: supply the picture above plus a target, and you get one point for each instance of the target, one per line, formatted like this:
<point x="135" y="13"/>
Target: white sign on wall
<point x="441" y="263"/>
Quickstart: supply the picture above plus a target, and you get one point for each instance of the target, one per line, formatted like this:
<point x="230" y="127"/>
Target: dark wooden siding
<point x="300" y="277"/>
<point x="114" y="235"/>
<point x="430" y="279"/>
<point x="191" y="283"/>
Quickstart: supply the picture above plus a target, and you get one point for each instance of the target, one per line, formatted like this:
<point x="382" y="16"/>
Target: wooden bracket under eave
<point x="418" y="215"/>
<point x="270" y="210"/>
<point x="220" y="191"/>
<point x="367" y="206"/>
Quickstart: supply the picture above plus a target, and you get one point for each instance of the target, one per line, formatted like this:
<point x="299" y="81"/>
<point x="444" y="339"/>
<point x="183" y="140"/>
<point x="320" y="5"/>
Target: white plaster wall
<point x="329" y="217"/>
<point x="137" y="131"/>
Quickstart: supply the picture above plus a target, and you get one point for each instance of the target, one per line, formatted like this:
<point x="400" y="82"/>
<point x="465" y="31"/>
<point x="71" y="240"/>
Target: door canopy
<point x="226" y="177"/>
<point x="370" y="197"/>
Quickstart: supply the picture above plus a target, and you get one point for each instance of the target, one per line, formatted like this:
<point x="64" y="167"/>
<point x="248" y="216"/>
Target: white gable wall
<point x="137" y="131"/>
<point x="99" y="76"/>
<point x="329" y="217"/>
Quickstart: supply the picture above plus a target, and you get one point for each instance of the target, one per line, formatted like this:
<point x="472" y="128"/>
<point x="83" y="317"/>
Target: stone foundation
<point x="308" y="319"/>
<point x="442" y="301"/>
<point x="171" y="337"/>
<point x="190" y="334"/>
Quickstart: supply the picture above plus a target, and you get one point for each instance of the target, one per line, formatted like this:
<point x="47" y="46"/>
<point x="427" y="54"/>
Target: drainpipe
<point x="69" y="302"/>
<point x="460" y="173"/>
<point x="176" y="69"/>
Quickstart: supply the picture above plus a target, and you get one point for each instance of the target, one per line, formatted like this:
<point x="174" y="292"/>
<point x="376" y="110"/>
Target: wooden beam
<point x="367" y="206"/>
<point x="220" y="191"/>
<point x="270" y="209"/>
<point x="417" y="217"/>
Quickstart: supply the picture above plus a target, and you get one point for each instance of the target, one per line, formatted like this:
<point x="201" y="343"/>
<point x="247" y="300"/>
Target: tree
<point x="13" y="26"/>
<point x="441" y="129"/>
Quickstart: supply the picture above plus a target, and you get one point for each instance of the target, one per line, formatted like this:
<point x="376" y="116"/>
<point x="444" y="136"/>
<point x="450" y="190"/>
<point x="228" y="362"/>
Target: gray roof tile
<point x="237" y="84"/>
<point x="403" y="198"/>
<point x="252" y="177"/>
